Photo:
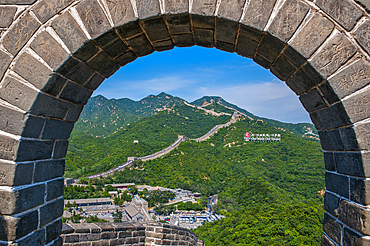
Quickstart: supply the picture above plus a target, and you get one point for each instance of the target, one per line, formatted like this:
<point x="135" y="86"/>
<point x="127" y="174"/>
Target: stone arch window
<point x="55" y="53"/>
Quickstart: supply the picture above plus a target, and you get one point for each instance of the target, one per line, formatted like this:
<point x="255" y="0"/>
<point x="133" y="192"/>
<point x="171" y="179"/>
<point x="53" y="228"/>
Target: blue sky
<point x="191" y="73"/>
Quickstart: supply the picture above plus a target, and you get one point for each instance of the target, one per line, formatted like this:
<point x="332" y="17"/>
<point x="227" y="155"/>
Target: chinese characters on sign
<point x="262" y="137"/>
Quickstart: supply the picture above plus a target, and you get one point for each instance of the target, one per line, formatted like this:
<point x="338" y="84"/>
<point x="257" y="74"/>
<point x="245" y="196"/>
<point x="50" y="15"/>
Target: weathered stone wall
<point x="102" y="234"/>
<point x="55" y="53"/>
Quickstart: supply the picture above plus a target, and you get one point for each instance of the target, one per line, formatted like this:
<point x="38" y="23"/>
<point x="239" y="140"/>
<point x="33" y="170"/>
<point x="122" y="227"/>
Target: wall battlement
<point x="131" y="233"/>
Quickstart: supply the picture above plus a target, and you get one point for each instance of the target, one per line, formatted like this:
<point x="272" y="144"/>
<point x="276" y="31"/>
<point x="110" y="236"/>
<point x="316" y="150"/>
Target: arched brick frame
<point x="54" y="53"/>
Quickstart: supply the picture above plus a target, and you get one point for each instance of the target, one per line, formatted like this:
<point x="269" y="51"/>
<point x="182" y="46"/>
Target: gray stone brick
<point x="304" y="79"/>
<point x="293" y="56"/>
<point x="282" y="68"/>
<point x="20" y="33"/>
<point x="76" y="71"/>
<point x="312" y="100"/>
<point x="354" y="216"/>
<point x="108" y="235"/>
<point x="312" y="35"/>
<point x="288" y="19"/>
<point x="74" y="113"/>
<point x="363" y="136"/>
<point x="329" y="161"/>
<point x="60" y="149"/>
<point x="37" y="238"/>
<point x="258" y="13"/>
<point x="97" y="79"/>
<point x="71" y="238"/>
<point x="30" y="150"/>
<point x="75" y="93"/>
<point x="46" y="9"/>
<point x="51" y="212"/>
<point x="200" y="21"/>
<point x="69" y="31"/>
<point x="204" y="7"/>
<point x="361" y="35"/>
<point x="246" y="47"/>
<point x="129" y="30"/>
<point x="49" y="50"/>
<point x="5" y="60"/>
<point x="7" y="14"/>
<point x="343" y="11"/>
<point x="121" y="11"/>
<point x="56" y="129"/>
<point x="203" y="37"/>
<point x="360" y="191"/>
<point x="172" y="6"/>
<point x="115" y="48"/>
<point x="232" y="9"/>
<point x="53" y="231"/>
<point x="66" y="229"/>
<point x="270" y="47"/>
<point x="334" y="54"/>
<point x="57" y="242"/>
<point x="357" y="106"/>
<point x="332" y="117"/>
<point x="47" y="170"/>
<point x="18" y="226"/>
<point x="184" y="40"/>
<point x="178" y="24"/>
<point x="90" y="237"/>
<point x="15" y="174"/>
<point x="163" y="45"/>
<point x="12" y="121"/>
<point x="140" y="45"/>
<point x="331" y="140"/>
<point x="337" y="184"/>
<point x="226" y="30"/>
<point x="125" y="58"/>
<point x="93" y="17"/>
<point x="119" y="241"/>
<point x="54" y="189"/>
<point x="86" y="51"/>
<point x="351" y="238"/>
<point x="47" y="106"/>
<point x="328" y="93"/>
<point x="54" y="85"/>
<point x="18" y="201"/>
<point x="32" y="70"/>
<point x="100" y="243"/>
<point x="8" y="148"/>
<point x="147" y="9"/>
<point x="20" y="2"/>
<point x="325" y="241"/>
<point x="348" y="136"/>
<point x="225" y="46"/>
<point x="156" y="29"/>
<point x="103" y="65"/>
<point x="331" y="203"/>
<point x="349" y="163"/>
<point x="262" y="61"/>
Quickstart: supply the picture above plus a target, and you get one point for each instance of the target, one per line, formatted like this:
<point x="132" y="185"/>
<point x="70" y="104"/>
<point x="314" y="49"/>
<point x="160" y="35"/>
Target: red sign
<point x="247" y="134"/>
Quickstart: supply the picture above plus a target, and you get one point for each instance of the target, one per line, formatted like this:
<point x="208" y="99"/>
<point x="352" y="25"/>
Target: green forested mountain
<point x="269" y="192"/>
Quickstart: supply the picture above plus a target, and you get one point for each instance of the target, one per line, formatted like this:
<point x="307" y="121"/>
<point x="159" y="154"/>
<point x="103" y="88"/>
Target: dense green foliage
<point x="219" y="108"/>
<point x="157" y="197"/>
<point x="88" y="155"/>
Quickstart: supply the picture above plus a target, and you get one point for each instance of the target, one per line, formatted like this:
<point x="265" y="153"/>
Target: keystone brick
<point x="331" y="203"/>
<point x="46" y="9"/>
<point x="30" y="150"/>
<point x="354" y="216"/>
<point x="288" y="19"/>
<point x="49" y="50"/>
<point x="15" y="174"/>
<point x="179" y="23"/>
<point x="226" y="30"/>
<point x="141" y="45"/>
<point x="51" y="212"/>
<point x="207" y="7"/>
<point x="20" y="33"/>
<point x="312" y="35"/>
<point x="93" y="17"/>
<point x="147" y="9"/>
<point x="332" y="228"/>
<point x="246" y="47"/>
<point x="75" y="93"/>
<point x="200" y="21"/>
<point x="69" y="31"/>
<point x="13" y="202"/>
<point x="337" y="183"/>
<point x="60" y="149"/>
<point x="46" y="170"/>
<point x="53" y="231"/>
<point x="203" y="37"/>
<point x="258" y="13"/>
<point x="173" y="6"/>
<point x="343" y="11"/>
<point x="334" y="54"/>
<point x="54" y="189"/>
<point x="56" y="129"/>
<point x="232" y="9"/>
<point x="121" y="11"/>
<point x="312" y="101"/>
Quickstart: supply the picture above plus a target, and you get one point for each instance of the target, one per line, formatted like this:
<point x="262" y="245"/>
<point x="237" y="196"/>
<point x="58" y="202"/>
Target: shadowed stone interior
<point x="54" y="54"/>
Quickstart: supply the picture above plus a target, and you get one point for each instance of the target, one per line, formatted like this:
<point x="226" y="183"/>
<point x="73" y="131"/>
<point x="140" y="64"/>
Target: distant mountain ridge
<point x="101" y="117"/>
